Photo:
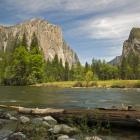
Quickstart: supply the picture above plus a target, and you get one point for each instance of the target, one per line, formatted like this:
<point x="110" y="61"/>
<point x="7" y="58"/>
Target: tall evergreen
<point x="24" y="41"/>
<point x="66" y="71"/>
<point x="34" y="47"/>
<point x="20" y="66"/>
<point x="87" y="67"/>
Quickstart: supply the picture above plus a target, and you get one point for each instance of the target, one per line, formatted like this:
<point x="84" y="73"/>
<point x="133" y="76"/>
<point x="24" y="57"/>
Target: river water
<point x="69" y="97"/>
<point x="74" y="98"/>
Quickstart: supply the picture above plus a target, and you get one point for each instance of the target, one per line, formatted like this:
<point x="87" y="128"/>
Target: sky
<point x="92" y="28"/>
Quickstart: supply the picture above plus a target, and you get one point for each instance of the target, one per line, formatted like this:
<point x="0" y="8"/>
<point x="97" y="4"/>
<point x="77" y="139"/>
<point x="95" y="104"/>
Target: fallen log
<point x="115" y="117"/>
<point x="33" y="111"/>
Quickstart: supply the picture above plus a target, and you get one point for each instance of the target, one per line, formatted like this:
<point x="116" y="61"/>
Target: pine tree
<point x="20" y="66"/>
<point x="87" y="67"/>
<point x="66" y="71"/>
<point x="123" y="68"/>
<point x="34" y="47"/>
<point x="24" y="41"/>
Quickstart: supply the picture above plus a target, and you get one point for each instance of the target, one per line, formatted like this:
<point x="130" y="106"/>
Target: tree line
<point x="26" y="65"/>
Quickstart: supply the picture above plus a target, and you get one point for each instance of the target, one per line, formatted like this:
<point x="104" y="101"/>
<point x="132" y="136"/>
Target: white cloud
<point x="71" y="6"/>
<point x="110" y="27"/>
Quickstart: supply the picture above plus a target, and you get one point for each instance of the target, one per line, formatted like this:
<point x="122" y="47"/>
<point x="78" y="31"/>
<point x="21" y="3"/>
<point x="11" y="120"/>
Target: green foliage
<point x="130" y="67"/>
<point x="89" y="76"/>
<point x="66" y="71"/>
<point x="104" y="71"/>
<point x="87" y="67"/>
<point x="5" y="70"/>
<point x="26" y="65"/>
<point x="36" y="69"/>
<point x="54" y="70"/>
<point x="78" y="72"/>
<point x="22" y="67"/>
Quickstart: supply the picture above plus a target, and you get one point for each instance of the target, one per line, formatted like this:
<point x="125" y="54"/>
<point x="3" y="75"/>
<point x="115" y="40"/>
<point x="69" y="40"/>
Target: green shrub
<point x="78" y="84"/>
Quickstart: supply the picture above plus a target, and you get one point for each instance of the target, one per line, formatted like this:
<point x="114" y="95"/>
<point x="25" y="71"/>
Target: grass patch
<point x="96" y="84"/>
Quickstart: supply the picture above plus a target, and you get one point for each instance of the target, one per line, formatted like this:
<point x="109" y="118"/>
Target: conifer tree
<point x="66" y="71"/>
<point x="34" y="47"/>
<point x="24" y="41"/>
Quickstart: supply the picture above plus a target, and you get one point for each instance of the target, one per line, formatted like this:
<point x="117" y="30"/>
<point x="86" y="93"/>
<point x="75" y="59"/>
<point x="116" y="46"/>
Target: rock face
<point x="49" y="37"/>
<point x="115" y="61"/>
<point x="132" y="45"/>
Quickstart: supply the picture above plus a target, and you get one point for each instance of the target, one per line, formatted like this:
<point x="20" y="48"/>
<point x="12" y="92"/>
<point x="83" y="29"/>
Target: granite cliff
<point x="130" y="46"/>
<point x="49" y="36"/>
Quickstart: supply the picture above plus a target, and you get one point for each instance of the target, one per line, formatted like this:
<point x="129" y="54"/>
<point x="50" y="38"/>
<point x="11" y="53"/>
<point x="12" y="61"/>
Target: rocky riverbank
<point x="18" y="126"/>
<point x="14" y="126"/>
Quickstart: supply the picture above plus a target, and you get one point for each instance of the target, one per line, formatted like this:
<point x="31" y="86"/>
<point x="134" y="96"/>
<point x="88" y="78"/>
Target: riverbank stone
<point x="24" y="119"/>
<point x="2" y="123"/>
<point x="46" y="125"/>
<point x="4" y="134"/>
<point x="93" y="138"/>
<point x="64" y="137"/>
<point x="37" y="121"/>
<point x="64" y="129"/>
<point x="17" y="136"/>
<point x="50" y="120"/>
<point x="13" y="118"/>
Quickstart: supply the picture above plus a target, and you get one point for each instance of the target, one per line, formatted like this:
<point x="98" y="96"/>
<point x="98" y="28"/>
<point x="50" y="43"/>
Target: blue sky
<point x="93" y="28"/>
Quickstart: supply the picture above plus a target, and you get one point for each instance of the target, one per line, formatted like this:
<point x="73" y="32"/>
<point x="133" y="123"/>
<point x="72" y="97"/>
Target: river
<point x="69" y="97"/>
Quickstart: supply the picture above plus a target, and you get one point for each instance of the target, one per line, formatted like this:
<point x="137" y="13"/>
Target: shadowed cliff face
<point x="49" y="36"/>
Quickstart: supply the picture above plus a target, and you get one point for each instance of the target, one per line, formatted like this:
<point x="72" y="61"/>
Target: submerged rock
<point x="24" y="119"/>
<point x="17" y="136"/>
<point x="64" y="129"/>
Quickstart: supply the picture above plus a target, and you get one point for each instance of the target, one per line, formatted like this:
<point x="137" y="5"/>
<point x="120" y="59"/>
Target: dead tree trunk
<point x="116" y="117"/>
